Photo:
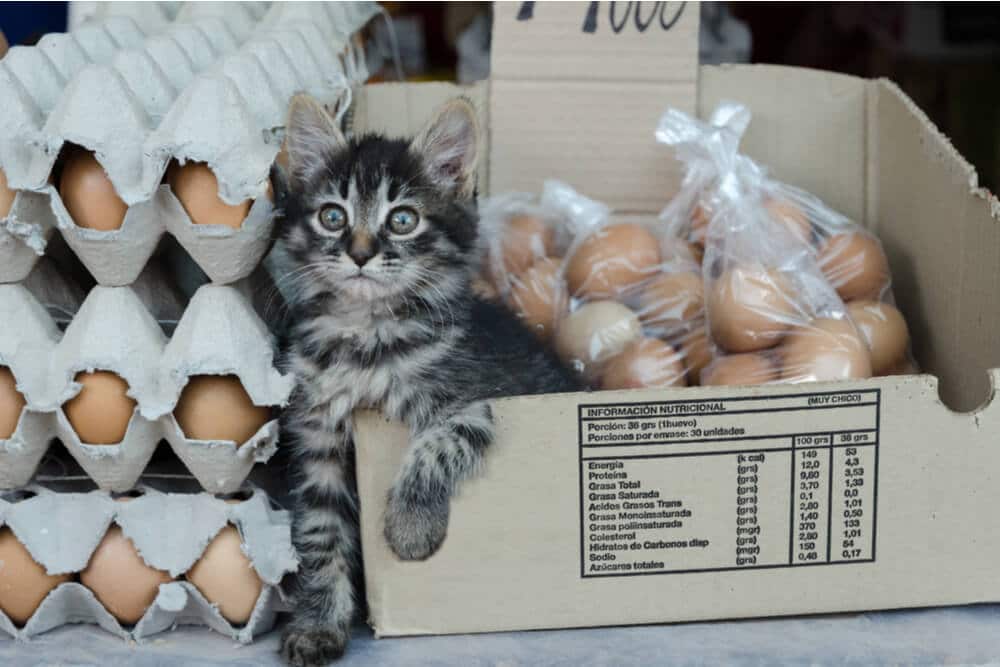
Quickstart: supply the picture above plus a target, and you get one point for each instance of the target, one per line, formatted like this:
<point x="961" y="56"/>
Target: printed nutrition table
<point x="726" y="484"/>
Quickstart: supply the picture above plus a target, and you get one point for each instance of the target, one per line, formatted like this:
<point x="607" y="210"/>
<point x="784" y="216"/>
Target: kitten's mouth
<point x="361" y="278"/>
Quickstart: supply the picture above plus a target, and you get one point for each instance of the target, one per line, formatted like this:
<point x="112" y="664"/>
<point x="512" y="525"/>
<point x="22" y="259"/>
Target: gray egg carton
<point x="211" y="84"/>
<point x="170" y="531"/>
<point x="219" y="333"/>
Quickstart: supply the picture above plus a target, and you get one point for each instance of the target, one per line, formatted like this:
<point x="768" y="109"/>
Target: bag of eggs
<point x="635" y="299"/>
<point x="855" y="265"/>
<point x="794" y="291"/>
<point x="523" y="242"/>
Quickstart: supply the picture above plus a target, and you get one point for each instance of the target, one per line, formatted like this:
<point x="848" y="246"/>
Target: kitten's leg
<point x="325" y="534"/>
<point x="440" y="456"/>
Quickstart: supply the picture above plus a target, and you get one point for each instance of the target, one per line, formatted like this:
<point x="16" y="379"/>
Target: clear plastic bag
<point x="794" y="291"/>
<point x="523" y="245"/>
<point x="636" y="302"/>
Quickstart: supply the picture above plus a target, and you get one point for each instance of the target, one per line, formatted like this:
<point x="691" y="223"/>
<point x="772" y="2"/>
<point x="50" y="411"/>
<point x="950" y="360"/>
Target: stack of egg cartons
<point x="145" y="121"/>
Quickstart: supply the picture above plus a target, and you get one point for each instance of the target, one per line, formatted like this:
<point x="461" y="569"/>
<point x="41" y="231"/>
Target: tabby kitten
<point x="382" y="238"/>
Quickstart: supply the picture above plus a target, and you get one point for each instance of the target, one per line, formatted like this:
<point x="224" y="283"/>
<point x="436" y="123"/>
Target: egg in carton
<point x="141" y="567"/>
<point x="34" y="77"/>
<point x="174" y="133"/>
<point x="114" y="379"/>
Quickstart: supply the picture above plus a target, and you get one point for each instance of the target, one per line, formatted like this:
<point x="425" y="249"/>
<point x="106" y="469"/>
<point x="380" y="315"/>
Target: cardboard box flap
<point x="170" y="531"/>
<point x="941" y="231"/>
<point x="595" y="41"/>
<point x="577" y="90"/>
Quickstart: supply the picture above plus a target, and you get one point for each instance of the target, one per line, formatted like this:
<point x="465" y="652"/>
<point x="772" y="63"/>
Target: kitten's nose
<point x="362" y="249"/>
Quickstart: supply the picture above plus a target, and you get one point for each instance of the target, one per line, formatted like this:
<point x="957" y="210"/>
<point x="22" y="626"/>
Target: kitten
<point x="382" y="239"/>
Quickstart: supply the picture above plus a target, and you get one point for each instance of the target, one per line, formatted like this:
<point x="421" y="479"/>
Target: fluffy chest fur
<point x="376" y="357"/>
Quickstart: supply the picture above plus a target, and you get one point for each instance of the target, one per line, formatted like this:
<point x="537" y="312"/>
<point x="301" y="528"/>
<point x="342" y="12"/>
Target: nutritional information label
<point x="726" y="484"/>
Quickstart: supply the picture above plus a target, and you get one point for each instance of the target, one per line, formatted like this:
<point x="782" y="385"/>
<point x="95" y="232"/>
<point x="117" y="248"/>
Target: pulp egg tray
<point x="219" y="333"/>
<point x="170" y="531"/>
<point x="212" y="85"/>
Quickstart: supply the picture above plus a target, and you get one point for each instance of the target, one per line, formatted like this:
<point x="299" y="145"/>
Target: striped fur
<point x="386" y="320"/>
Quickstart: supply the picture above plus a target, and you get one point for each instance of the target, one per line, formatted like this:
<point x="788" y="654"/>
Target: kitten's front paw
<point x="312" y="646"/>
<point x="415" y="528"/>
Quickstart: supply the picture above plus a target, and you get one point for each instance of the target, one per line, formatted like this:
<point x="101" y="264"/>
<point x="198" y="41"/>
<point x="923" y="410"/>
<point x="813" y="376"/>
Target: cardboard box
<point x="615" y="508"/>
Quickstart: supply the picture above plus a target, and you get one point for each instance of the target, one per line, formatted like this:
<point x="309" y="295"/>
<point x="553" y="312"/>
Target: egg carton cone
<point x="170" y="532"/>
<point x="211" y="86"/>
<point x="219" y="333"/>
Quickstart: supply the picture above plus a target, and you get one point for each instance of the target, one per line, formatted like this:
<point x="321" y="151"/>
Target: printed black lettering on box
<point x="726" y="484"/>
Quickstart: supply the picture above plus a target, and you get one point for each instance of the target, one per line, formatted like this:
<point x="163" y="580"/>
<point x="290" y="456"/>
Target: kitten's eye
<point x="403" y="220"/>
<point x="333" y="217"/>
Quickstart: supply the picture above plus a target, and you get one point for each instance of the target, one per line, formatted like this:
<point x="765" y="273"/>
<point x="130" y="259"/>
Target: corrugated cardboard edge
<point x="950" y="155"/>
<point x="574" y="87"/>
<point x="943" y="245"/>
<point x="371" y="426"/>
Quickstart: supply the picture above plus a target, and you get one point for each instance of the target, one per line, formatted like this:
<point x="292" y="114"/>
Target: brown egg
<point x="100" y="413"/>
<point x="217" y="407"/>
<point x="670" y="300"/>
<point x="793" y="217"/>
<point x="525" y="240"/>
<point x="484" y="288"/>
<point x="884" y="330"/>
<point x="751" y="308"/>
<point x="697" y="353"/>
<point x="11" y="403"/>
<point x="611" y="260"/>
<point x="539" y="297"/>
<point x="701" y="215"/>
<point x="23" y="582"/>
<point x="594" y="333"/>
<point x="646" y="362"/>
<point x="226" y="578"/>
<point x="120" y="579"/>
<point x="678" y="254"/>
<point x="697" y="253"/>
<point x="855" y="265"/>
<point x="197" y="189"/>
<point x="88" y="194"/>
<point x="826" y="349"/>
<point x="740" y="369"/>
<point x="6" y="195"/>
<point x="904" y="367"/>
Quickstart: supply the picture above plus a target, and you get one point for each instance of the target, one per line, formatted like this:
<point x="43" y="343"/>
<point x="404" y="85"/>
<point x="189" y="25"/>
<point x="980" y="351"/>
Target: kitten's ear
<point x="449" y="146"/>
<point x="311" y="134"/>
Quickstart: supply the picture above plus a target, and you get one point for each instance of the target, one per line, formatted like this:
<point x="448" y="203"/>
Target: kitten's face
<point x="374" y="219"/>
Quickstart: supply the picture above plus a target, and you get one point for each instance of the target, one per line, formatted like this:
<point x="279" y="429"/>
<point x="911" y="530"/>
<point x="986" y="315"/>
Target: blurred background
<point x="945" y="55"/>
